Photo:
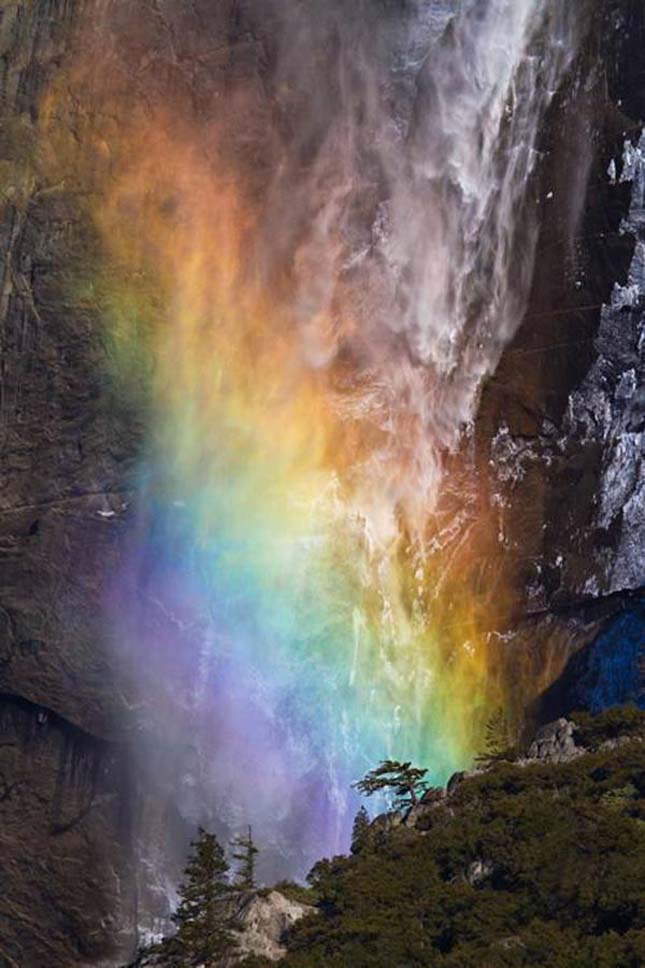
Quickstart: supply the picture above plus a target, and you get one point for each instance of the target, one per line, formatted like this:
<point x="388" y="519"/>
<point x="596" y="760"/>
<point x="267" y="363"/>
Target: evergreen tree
<point x="405" y="780"/>
<point x="360" y="831"/>
<point x="204" y="925"/>
<point x="497" y="741"/>
<point x="246" y="851"/>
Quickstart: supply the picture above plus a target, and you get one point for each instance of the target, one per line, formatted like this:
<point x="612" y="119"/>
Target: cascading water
<point x="414" y="215"/>
<point x="312" y="298"/>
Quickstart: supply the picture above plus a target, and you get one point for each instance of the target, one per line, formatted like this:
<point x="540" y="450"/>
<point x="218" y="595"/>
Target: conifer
<point x="360" y="831"/>
<point x="246" y="852"/>
<point x="204" y="923"/>
<point x="404" y="780"/>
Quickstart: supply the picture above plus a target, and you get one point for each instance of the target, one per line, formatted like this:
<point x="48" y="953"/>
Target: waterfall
<point x="313" y="266"/>
<point x="405" y="198"/>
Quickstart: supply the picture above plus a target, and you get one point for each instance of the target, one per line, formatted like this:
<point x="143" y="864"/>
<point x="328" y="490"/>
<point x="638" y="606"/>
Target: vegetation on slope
<point x="533" y="864"/>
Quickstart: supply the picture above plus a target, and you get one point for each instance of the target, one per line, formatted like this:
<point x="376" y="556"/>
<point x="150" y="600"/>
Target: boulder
<point x="385" y="822"/>
<point x="266" y="918"/>
<point x="555" y="743"/>
<point x="422" y="810"/>
<point x="479" y="871"/>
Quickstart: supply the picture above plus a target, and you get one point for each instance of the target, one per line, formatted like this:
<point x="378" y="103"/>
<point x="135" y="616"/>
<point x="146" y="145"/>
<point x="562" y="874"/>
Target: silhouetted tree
<point x="403" y="779"/>
<point x="246" y="852"/>
<point x="204" y="924"/>
<point x="360" y="830"/>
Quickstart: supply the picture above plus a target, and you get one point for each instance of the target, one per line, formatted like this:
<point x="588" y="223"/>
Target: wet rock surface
<point x="561" y="417"/>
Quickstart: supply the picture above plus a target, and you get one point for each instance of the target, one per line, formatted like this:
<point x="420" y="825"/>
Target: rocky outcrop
<point x="431" y="799"/>
<point x="555" y="743"/>
<point x="265" y="919"/>
<point x="462" y="775"/>
<point x="561" y="741"/>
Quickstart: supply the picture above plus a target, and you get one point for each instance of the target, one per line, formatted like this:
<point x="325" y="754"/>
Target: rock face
<point x="607" y="411"/>
<point x="59" y="849"/>
<point x="565" y="431"/>
<point x="64" y="810"/>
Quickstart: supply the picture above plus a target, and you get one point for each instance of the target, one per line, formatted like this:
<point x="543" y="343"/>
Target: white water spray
<point x="404" y="202"/>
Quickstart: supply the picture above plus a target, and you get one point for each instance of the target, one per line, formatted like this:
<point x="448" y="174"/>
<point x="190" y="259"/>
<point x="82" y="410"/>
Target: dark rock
<point x="61" y="810"/>
<point x="563" y="431"/>
<point x="610" y="671"/>
<point x="67" y="796"/>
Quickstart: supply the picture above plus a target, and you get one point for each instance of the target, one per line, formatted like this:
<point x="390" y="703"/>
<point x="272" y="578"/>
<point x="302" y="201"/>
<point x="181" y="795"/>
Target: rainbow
<point x="301" y="587"/>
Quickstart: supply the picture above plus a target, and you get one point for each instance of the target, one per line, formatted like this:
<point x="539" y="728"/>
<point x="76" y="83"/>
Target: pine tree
<point x="405" y="780"/>
<point x="204" y="926"/>
<point x="497" y="741"/>
<point x="360" y="831"/>
<point x="246" y="851"/>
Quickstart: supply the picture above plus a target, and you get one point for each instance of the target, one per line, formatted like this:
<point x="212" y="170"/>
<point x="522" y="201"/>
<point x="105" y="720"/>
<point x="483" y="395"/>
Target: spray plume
<point x="304" y="291"/>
